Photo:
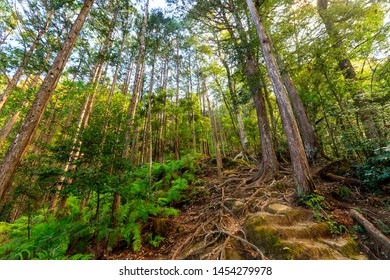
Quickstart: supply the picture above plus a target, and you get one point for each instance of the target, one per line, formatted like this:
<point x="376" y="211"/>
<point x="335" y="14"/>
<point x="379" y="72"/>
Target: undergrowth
<point x="83" y="234"/>
<point x="319" y="205"/>
<point x="375" y="172"/>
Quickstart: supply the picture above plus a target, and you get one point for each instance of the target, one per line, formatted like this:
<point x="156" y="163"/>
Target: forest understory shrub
<point x="86" y="234"/>
<point x="375" y="171"/>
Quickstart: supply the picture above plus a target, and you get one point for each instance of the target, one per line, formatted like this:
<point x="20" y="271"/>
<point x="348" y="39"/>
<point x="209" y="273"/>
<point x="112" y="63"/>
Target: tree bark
<point x="137" y="83"/>
<point x="214" y="131"/>
<point x="147" y="137"/>
<point x="236" y="108"/>
<point x="177" y="140"/>
<point x="382" y="242"/>
<point x="26" y="132"/>
<point x="303" y="180"/>
<point x="6" y="129"/>
<point x="164" y="115"/>
<point x="269" y="167"/>
<point x="309" y="137"/>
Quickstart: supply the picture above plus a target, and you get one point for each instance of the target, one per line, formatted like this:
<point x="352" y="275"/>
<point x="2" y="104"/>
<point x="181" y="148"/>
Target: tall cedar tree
<point x="301" y="173"/>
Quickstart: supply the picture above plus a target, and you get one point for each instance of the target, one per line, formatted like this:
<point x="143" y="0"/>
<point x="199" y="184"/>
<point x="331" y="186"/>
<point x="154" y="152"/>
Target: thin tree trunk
<point x="237" y="111"/>
<point x="6" y="129"/>
<point x="301" y="173"/>
<point x="177" y="141"/>
<point x="214" y="131"/>
<point x="26" y="132"/>
<point x="147" y="137"/>
<point x="164" y="114"/>
<point x="271" y="114"/>
<point x="126" y="84"/>
<point x="137" y="83"/>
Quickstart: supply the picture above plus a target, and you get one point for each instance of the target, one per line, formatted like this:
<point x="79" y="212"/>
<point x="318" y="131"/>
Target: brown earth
<point x="225" y="218"/>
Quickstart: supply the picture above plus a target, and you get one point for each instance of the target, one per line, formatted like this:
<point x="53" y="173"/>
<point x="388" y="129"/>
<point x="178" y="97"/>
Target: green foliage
<point x="375" y="172"/>
<point x="49" y="238"/>
<point x="154" y="240"/>
<point x="344" y="192"/>
<point x="313" y="201"/>
<point x="318" y="204"/>
<point x="72" y="235"/>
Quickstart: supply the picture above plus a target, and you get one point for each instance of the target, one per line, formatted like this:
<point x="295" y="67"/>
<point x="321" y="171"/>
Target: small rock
<point x="278" y="208"/>
<point x="237" y="207"/>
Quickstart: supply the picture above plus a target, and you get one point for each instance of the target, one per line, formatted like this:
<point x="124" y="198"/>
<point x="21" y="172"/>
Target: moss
<point x="232" y="252"/>
<point x="297" y="215"/>
<point x="307" y="251"/>
<point x="267" y="240"/>
<point x="320" y="229"/>
<point x="350" y="249"/>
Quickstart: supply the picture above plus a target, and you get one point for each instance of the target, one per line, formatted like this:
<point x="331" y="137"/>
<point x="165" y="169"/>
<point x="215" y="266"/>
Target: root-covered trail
<point x="229" y="219"/>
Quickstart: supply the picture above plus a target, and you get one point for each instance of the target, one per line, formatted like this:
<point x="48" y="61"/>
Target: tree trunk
<point x="164" y="114"/>
<point x="309" y="137"/>
<point x="6" y="129"/>
<point x="83" y="119"/>
<point x="237" y="111"/>
<point x="147" y="137"/>
<point x="214" y="131"/>
<point x="137" y="83"/>
<point x="269" y="167"/>
<point x="177" y="140"/>
<point x="26" y="132"/>
<point x="300" y="166"/>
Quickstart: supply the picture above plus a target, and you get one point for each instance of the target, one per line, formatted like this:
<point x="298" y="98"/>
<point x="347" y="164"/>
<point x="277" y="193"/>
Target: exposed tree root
<point x="259" y="252"/>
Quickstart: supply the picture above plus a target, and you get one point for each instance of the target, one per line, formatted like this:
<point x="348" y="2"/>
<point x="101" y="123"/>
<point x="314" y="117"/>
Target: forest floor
<point x="212" y="219"/>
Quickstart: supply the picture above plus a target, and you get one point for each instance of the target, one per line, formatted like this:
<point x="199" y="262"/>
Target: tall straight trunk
<point x="147" y="137"/>
<point x="68" y="166"/>
<point x="164" y="115"/>
<point x="237" y="111"/>
<point x="126" y="84"/>
<point x="271" y="114"/>
<point x="177" y="140"/>
<point x="27" y="130"/>
<point x="15" y="78"/>
<point x="269" y="167"/>
<point x="214" y="131"/>
<point x="300" y="166"/>
<point x="134" y="140"/>
<point x="366" y="115"/>
<point x="137" y="83"/>
<point x="115" y="77"/>
<point x="228" y="106"/>
<point x="309" y="137"/>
